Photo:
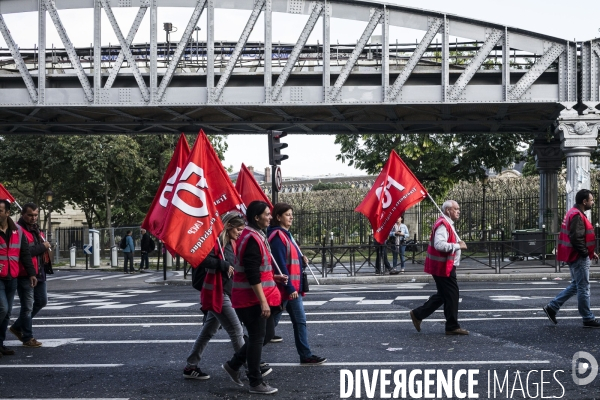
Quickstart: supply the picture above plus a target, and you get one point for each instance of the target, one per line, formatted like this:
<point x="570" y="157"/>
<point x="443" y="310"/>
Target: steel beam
<point x="340" y="117"/>
<point x="347" y="69"/>
<point x="536" y="70"/>
<point x="445" y="58"/>
<point x="289" y="118"/>
<point x="153" y="50"/>
<point x="235" y="54"/>
<point x="385" y="53"/>
<point x="126" y="46"/>
<point x="326" y="50"/>
<point x="412" y="62"/>
<point x="14" y="51"/>
<point x="41" y="52"/>
<point x="295" y="53"/>
<point x="238" y="118"/>
<point x="185" y="38"/>
<point x="73" y="57"/>
<point x="476" y="62"/>
<point x="505" y="65"/>
<point x="210" y="49"/>
<point x="97" y="51"/>
<point x="268" y="52"/>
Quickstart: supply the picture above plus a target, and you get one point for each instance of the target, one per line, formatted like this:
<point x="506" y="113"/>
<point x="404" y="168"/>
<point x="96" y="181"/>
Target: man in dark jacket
<point x="32" y="299"/>
<point x="9" y="268"/>
<point x="146" y="247"/>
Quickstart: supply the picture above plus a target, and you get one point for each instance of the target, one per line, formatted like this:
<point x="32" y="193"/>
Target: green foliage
<point x="330" y="186"/>
<point x="438" y="160"/>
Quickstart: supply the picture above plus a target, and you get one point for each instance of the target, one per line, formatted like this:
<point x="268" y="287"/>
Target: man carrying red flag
<point x="249" y="189"/>
<point x="443" y="256"/>
<point x="395" y="190"/>
<point x="5" y="194"/>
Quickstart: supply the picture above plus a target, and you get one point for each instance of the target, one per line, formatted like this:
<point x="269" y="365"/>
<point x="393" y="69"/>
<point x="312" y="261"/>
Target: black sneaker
<point x="551" y="314"/>
<point x="263" y="364"/>
<point x="233" y="374"/>
<point x="194" y="373"/>
<point x="591" y="324"/>
<point x="313" y="360"/>
<point x="276" y="339"/>
<point x="263" y="388"/>
<point x="264" y="371"/>
<point x="5" y="351"/>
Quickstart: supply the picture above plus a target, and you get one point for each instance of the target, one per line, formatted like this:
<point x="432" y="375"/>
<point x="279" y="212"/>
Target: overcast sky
<point x="315" y="155"/>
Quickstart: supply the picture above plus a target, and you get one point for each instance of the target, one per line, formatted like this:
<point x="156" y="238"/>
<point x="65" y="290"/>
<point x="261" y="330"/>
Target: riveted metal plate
<point x="124" y="3"/>
<point x="124" y="95"/>
<point x="295" y="6"/>
<point x="296" y="93"/>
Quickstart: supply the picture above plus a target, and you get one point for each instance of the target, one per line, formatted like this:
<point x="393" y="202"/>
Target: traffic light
<point x="275" y="146"/>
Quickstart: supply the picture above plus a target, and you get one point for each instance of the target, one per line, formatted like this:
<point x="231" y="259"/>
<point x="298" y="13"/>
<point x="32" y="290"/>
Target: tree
<point x="438" y="160"/>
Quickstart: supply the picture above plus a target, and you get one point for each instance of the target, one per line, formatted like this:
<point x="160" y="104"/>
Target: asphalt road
<point x="110" y="336"/>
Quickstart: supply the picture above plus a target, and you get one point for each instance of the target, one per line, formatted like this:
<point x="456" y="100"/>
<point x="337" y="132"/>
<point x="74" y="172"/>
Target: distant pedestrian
<point x="576" y="246"/>
<point x="14" y="251"/>
<point x="399" y="234"/>
<point x="290" y="260"/>
<point x="218" y="263"/>
<point x="146" y="247"/>
<point x="443" y="256"/>
<point x="381" y="261"/>
<point x="32" y="299"/>
<point x="128" y="253"/>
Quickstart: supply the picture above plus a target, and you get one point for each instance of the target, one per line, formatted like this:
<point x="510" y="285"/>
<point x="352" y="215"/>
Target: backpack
<point x="198" y="275"/>
<point x="152" y="246"/>
<point x="123" y="243"/>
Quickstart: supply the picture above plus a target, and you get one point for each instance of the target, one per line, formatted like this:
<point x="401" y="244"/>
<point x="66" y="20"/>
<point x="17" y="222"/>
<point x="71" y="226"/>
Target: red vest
<point x="436" y="262"/>
<point x="34" y="259"/>
<point x="242" y="295"/>
<point x="566" y="252"/>
<point x="292" y="262"/>
<point x="9" y="254"/>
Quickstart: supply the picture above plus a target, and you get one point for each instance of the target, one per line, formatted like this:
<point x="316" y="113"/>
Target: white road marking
<point x="313" y="303"/>
<point x="114" y="306"/>
<point x="111" y="277"/>
<point x="60" y="365"/>
<point x="57" y="307"/>
<point x="81" y="277"/>
<point x="144" y="341"/>
<point x="45" y="342"/>
<point x="374" y="302"/>
<point x="96" y="300"/>
<point x="98" y="304"/>
<point x="141" y="291"/>
<point x="160" y="302"/>
<point x="347" y="299"/>
<point x="378" y="363"/>
<point x="54" y="278"/>
<point x="136" y="276"/>
<point x="118" y="295"/>
<point x="175" y="305"/>
<point x="412" y="298"/>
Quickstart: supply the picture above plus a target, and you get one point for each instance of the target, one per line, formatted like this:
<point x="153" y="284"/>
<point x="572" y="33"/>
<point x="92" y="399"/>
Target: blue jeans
<point x="580" y="285"/>
<point x="7" y="295"/>
<point x="295" y="309"/>
<point x="23" y="323"/>
<point x="38" y="301"/>
<point x="398" y="250"/>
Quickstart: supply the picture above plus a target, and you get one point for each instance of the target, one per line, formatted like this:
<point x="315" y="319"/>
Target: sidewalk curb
<point x="408" y="279"/>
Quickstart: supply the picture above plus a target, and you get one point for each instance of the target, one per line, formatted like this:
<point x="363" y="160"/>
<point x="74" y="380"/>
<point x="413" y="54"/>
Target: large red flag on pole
<point x="192" y="220"/>
<point x="395" y="190"/>
<point x="249" y="189"/>
<point x="222" y="191"/>
<point x="155" y="218"/>
<point x="5" y="194"/>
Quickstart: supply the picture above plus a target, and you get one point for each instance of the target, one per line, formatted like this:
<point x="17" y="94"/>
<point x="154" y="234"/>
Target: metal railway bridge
<point x="462" y="75"/>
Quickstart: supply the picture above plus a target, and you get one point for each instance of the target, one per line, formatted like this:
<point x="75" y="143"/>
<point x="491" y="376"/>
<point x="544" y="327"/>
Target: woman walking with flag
<point x="254" y="296"/>
<point x="215" y="273"/>
<point x="290" y="259"/>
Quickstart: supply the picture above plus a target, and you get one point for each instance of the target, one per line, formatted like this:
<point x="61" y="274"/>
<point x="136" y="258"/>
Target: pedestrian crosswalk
<point x="99" y="277"/>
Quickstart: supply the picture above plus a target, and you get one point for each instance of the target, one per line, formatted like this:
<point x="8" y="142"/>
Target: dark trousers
<point x="260" y="332"/>
<point x="381" y="259"/>
<point x="144" y="260"/>
<point x="128" y="257"/>
<point x="447" y="294"/>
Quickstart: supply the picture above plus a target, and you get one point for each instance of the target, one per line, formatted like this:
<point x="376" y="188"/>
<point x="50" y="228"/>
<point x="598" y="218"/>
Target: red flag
<point x="211" y="295"/>
<point x="222" y="191"/>
<point x="192" y="221"/>
<point x="249" y="189"/>
<point x="155" y="217"/>
<point x="395" y="190"/>
<point x="5" y="194"/>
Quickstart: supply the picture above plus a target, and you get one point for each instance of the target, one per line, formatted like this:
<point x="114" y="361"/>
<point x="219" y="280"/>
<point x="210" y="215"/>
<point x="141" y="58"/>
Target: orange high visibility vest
<point x="34" y="259"/>
<point x="565" y="251"/>
<point x="9" y="254"/>
<point x="292" y="261"/>
<point x="436" y="262"/>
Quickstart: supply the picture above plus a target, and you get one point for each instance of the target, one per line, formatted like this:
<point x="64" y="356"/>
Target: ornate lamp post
<point x="49" y="195"/>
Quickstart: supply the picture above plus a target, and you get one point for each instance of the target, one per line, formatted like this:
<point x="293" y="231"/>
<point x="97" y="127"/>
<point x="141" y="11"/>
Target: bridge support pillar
<point x="548" y="161"/>
<point x="578" y="135"/>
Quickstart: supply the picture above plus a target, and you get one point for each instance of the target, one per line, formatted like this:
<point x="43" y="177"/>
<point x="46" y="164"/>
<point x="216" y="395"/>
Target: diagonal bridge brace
<point x="128" y="41"/>
<point x="362" y="42"/>
<point x="536" y="71"/>
<point x="14" y="51"/>
<point x="476" y="62"/>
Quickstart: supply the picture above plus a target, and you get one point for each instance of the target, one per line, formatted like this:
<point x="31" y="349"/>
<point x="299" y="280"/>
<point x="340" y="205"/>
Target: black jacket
<point x="577" y="235"/>
<point x="214" y="262"/>
<point x="37" y="248"/>
<point x="146" y="243"/>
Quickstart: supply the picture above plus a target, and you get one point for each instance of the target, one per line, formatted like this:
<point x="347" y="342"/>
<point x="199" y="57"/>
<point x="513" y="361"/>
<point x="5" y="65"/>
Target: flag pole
<point x="445" y="216"/>
<point x="307" y="264"/>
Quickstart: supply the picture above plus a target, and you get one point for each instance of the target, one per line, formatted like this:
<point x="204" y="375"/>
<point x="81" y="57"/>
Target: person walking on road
<point x="254" y="297"/>
<point x="214" y="263"/>
<point x="128" y="253"/>
<point x="290" y="260"/>
<point x="399" y="234"/>
<point x="146" y="247"/>
<point x="14" y="251"/>
<point x="32" y="299"/>
<point x="443" y="256"/>
<point x="576" y="246"/>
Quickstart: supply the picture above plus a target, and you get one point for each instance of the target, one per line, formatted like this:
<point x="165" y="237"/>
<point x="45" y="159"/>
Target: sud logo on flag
<point x="395" y="191"/>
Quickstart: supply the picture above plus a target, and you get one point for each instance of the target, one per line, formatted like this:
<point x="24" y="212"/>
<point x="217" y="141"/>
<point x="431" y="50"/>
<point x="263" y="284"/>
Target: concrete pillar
<point x="578" y="134"/>
<point x="548" y="161"/>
